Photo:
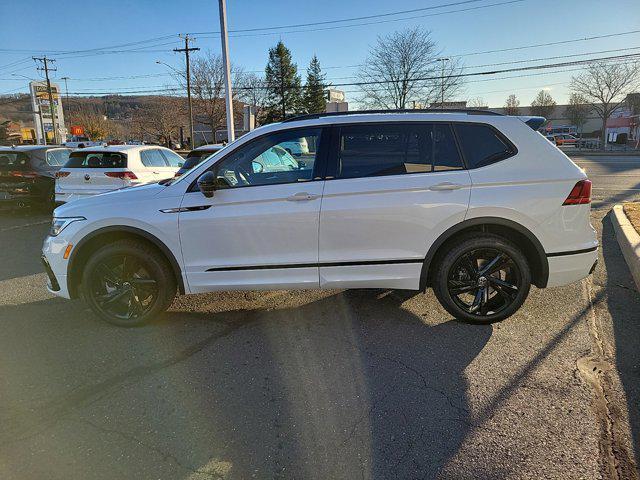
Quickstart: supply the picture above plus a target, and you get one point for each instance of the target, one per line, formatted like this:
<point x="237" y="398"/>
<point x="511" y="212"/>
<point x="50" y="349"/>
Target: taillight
<point x="62" y="174"/>
<point x="22" y="174"/>
<point x="124" y="175"/>
<point x="580" y="193"/>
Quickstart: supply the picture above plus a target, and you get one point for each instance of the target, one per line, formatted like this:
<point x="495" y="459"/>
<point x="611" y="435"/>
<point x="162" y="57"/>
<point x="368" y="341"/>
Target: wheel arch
<point x="520" y="235"/>
<point x="105" y="235"/>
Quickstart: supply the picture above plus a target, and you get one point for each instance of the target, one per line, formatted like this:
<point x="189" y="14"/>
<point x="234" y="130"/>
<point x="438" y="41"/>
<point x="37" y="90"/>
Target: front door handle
<point x="302" y="197"/>
<point x="446" y="186"/>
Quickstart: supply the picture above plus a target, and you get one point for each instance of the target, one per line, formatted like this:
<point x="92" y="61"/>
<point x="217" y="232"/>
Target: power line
<point x="306" y="30"/>
<point x="631" y="58"/>
<point x="341" y="20"/>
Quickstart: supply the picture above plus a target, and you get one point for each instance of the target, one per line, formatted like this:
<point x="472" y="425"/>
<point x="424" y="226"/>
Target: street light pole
<point x="227" y="69"/>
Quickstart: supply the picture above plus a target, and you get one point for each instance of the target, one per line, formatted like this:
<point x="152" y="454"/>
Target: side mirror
<point x="207" y="183"/>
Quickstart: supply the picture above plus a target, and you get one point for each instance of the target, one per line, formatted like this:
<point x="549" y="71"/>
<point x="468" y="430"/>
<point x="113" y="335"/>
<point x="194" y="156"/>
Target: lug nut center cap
<point x="482" y="281"/>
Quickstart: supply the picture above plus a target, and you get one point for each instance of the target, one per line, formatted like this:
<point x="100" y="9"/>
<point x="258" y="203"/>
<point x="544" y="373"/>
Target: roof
<point x="212" y="146"/>
<point x="28" y="148"/>
<point x="117" y="148"/>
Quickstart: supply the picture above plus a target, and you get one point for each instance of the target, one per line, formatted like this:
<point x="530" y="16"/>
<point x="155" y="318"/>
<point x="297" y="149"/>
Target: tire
<point x="128" y="284"/>
<point x="476" y="297"/>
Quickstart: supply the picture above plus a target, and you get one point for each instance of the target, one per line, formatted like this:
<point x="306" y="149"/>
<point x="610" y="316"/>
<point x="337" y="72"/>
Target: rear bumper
<point x="571" y="267"/>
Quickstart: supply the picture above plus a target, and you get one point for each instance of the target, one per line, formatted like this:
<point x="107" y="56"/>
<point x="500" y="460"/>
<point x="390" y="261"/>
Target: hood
<point x="123" y="195"/>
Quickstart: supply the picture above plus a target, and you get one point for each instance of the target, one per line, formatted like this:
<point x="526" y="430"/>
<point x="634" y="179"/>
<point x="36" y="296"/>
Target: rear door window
<point x="396" y="149"/>
<point x="152" y="158"/>
<point x="378" y="150"/>
<point x="482" y="145"/>
<point x="58" y="157"/>
<point x="85" y="159"/>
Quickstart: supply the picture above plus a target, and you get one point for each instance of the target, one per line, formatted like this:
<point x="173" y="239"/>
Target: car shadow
<point x="624" y="306"/>
<point x="22" y="233"/>
<point x="348" y="385"/>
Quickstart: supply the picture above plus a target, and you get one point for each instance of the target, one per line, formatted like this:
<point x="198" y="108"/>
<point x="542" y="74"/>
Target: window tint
<point x="85" y="159"/>
<point x="265" y="161"/>
<point x="58" y="157"/>
<point x="445" y="155"/>
<point x="481" y="145"/>
<point x="152" y="158"/>
<point x="173" y="159"/>
<point x="374" y="150"/>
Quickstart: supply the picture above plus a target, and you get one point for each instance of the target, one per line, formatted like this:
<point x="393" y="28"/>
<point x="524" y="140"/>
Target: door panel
<point x="376" y="228"/>
<point x="252" y="238"/>
<point x="260" y="229"/>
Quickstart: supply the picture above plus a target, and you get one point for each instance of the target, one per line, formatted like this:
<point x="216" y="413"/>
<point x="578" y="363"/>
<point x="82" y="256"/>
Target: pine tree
<point x="313" y="98"/>
<point x="283" y="84"/>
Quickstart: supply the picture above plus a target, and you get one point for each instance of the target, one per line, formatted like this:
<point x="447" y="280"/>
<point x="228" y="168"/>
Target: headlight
<point x="59" y="224"/>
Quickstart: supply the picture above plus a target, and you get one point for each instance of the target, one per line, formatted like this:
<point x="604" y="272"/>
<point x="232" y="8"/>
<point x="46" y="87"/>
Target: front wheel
<point x="483" y="278"/>
<point x="128" y="284"/>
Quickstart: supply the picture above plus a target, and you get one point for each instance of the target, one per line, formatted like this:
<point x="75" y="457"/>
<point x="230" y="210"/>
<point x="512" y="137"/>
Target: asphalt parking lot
<point x="318" y="385"/>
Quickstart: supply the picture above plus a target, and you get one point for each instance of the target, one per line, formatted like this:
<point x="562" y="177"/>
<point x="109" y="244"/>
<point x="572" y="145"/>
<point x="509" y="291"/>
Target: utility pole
<point x="45" y="61"/>
<point x="442" y="81"/>
<point x="227" y="69"/>
<point x="186" y="51"/>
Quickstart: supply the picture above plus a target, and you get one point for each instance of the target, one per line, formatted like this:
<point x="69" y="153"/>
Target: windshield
<point x="14" y="161"/>
<point x="96" y="160"/>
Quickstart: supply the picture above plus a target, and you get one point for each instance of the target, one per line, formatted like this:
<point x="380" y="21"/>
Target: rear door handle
<point x="302" y="197"/>
<point x="446" y="186"/>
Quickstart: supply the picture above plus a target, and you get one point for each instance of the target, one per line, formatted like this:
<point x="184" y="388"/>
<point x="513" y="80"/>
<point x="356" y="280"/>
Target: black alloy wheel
<point x="482" y="279"/>
<point x="123" y="288"/>
<point x="127" y="283"/>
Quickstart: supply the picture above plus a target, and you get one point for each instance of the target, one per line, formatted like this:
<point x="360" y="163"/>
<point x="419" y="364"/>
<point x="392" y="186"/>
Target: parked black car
<point x="28" y="174"/>
<point x="197" y="155"/>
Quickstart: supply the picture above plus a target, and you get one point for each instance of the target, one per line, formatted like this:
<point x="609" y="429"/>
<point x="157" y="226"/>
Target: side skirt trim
<point x="312" y="265"/>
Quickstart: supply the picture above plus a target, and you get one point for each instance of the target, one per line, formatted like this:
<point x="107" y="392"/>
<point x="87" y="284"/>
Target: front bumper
<point x="55" y="265"/>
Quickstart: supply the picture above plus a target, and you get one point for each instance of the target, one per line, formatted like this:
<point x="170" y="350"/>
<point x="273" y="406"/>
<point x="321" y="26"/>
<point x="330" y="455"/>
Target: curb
<point x="629" y="241"/>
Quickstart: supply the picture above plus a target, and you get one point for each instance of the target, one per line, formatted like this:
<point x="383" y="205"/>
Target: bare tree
<point x="543" y="105"/>
<point x="207" y="88"/>
<point x="252" y="90"/>
<point x="162" y="119"/>
<point x="477" y="102"/>
<point x="511" y="105"/>
<point x="577" y="111"/>
<point x="604" y="86"/>
<point x="403" y="67"/>
<point x="96" y="125"/>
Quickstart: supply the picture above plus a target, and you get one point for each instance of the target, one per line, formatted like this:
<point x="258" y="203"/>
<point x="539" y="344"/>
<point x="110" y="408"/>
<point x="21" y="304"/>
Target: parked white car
<point x="296" y="147"/>
<point x="95" y="170"/>
<point x="477" y="206"/>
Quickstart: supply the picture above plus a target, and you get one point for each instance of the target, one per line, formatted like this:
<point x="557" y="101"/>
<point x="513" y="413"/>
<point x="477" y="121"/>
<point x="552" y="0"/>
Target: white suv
<point x="476" y="205"/>
<point x="95" y="170"/>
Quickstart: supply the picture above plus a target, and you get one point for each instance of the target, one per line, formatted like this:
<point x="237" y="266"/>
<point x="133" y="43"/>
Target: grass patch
<point x="632" y="211"/>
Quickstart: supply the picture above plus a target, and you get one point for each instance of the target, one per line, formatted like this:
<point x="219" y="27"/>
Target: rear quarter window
<point x="482" y="145"/>
<point x="86" y="159"/>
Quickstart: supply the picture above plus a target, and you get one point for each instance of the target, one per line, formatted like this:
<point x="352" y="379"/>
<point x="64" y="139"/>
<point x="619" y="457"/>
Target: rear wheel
<point x="128" y="284"/>
<point x="483" y="278"/>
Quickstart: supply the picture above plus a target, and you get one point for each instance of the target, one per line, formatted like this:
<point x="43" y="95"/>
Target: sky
<point x="464" y="29"/>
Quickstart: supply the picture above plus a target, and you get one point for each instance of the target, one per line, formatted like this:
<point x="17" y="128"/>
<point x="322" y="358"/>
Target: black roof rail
<point x="468" y="111"/>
